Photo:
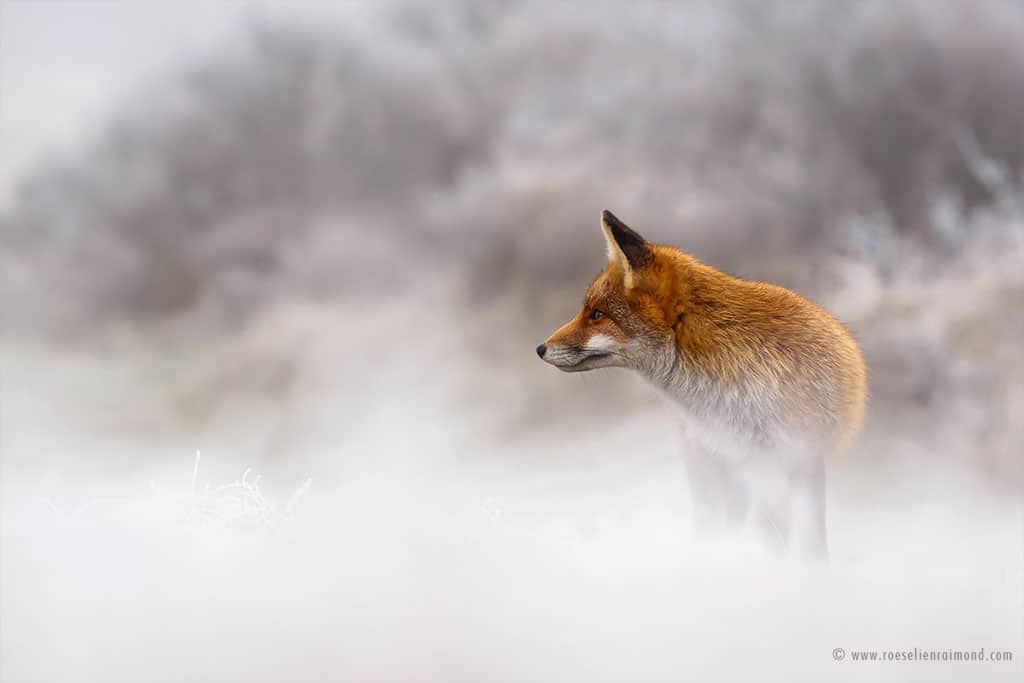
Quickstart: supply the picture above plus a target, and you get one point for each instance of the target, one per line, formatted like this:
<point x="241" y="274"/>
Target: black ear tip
<point x="622" y="233"/>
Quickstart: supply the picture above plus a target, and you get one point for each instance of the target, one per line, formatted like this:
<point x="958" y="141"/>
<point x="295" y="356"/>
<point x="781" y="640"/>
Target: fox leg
<point x="808" y="509"/>
<point x="770" y="488"/>
<point x="718" y="496"/>
<point x="774" y="525"/>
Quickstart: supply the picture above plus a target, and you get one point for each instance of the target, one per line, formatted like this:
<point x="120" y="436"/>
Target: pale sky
<point x="65" y="65"/>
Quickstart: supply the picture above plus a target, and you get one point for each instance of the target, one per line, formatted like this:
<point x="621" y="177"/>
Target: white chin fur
<point x="586" y="363"/>
<point x="589" y="358"/>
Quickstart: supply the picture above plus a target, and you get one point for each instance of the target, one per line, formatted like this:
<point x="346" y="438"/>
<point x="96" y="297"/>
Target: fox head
<point x="629" y="311"/>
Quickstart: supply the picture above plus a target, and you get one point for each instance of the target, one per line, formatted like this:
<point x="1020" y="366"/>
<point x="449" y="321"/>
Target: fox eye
<point x="596" y="314"/>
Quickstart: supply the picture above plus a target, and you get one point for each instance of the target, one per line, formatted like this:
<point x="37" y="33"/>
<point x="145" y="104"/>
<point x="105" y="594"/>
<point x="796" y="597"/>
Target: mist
<point x="269" y="405"/>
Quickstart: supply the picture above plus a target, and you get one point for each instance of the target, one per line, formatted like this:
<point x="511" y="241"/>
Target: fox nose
<point x="541" y="350"/>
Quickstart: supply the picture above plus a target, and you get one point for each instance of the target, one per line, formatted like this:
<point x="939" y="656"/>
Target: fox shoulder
<point x="736" y="330"/>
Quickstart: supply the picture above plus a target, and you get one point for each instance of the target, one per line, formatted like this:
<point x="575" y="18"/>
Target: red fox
<point x="768" y="384"/>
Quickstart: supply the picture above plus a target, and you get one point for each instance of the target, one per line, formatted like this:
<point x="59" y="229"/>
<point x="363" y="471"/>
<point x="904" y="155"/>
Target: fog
<point x="269" y="403"/>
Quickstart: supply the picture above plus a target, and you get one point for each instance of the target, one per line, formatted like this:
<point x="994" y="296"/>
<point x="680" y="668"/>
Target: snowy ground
<point x="426" y="547"/>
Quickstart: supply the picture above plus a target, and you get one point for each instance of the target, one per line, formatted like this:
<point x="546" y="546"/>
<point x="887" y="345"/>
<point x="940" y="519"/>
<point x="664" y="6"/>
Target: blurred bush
<point x="835" y="147"/>
<point x="486" y="138"/>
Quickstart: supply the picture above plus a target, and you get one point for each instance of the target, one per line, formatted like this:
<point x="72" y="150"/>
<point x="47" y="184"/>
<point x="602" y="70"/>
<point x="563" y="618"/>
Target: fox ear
<point x="626" y="248"/>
